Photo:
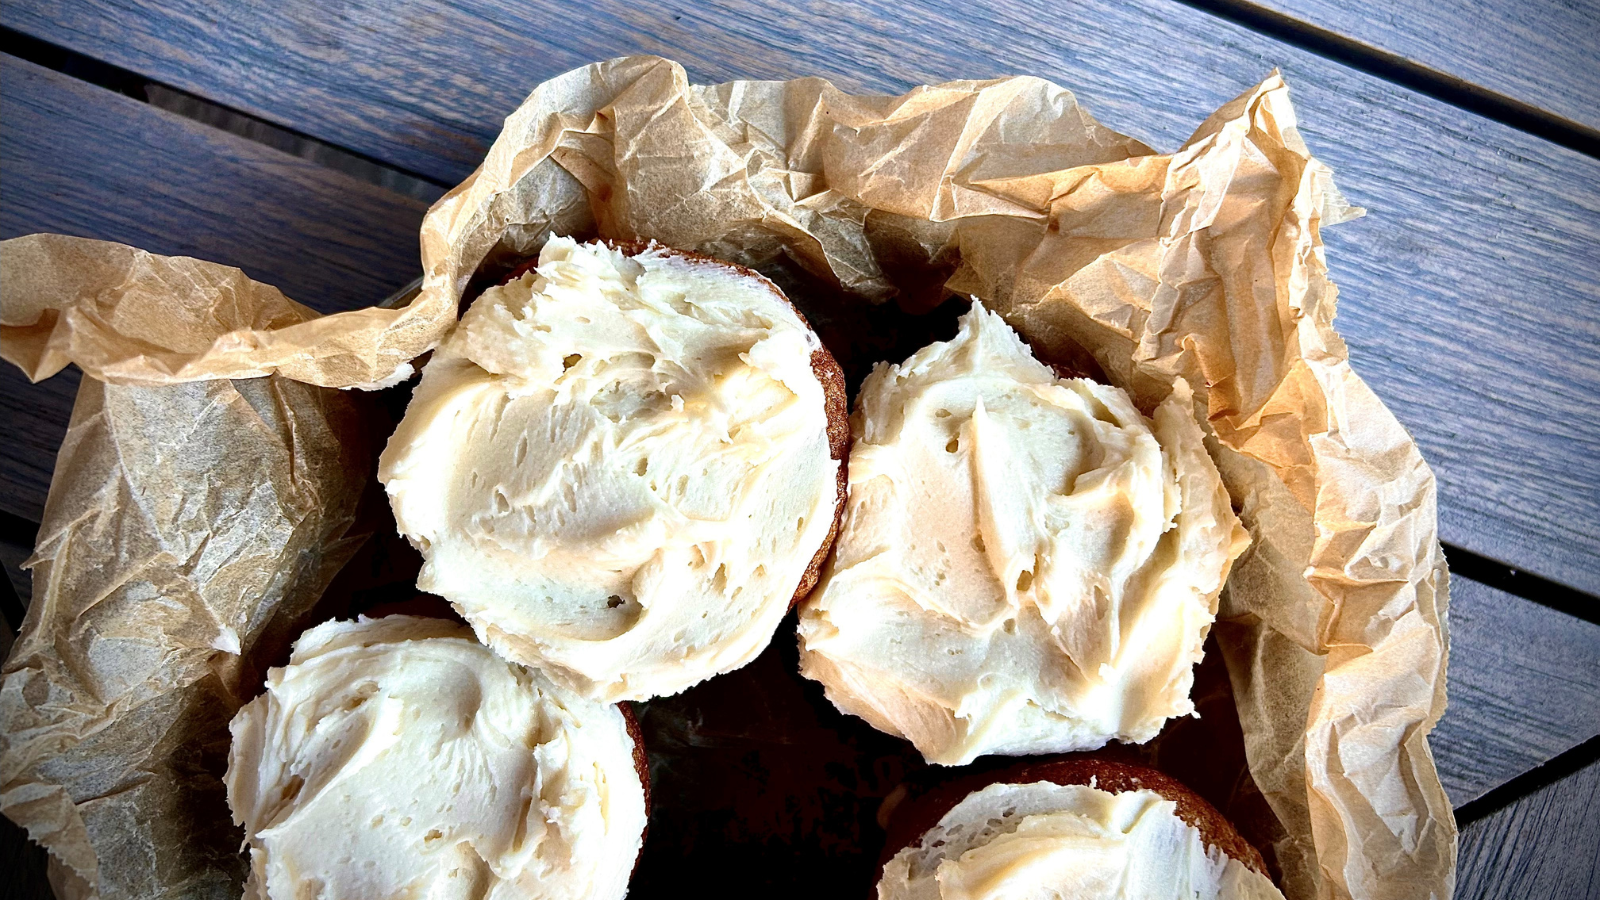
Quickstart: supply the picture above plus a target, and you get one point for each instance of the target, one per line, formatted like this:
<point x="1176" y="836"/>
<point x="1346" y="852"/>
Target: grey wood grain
<point x="1545" y="845"/>
<point x="78" y="159"/>
<point x="82" y="160"/>
<point x="1546" y="55"/>
<point x="1471" y="294"/>
<point x="1524" y="688"/>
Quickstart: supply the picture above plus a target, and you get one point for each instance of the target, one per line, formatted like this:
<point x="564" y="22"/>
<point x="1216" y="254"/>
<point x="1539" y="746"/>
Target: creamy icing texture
<point x="400" y="758"/>
<point x="1045" y="841"/>
<point x="1026" y="565"/>
<point x="617" y="468"/>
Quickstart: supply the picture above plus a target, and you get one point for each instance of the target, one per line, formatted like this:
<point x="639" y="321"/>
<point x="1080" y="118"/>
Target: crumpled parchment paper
<point x="1204" y="264"/>
<point x="126" y="316"/>
<point x="189" y="533"/>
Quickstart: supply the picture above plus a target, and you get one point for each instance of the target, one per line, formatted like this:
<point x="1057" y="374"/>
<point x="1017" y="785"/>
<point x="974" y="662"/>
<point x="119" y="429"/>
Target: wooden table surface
<point x="303" y="141"/>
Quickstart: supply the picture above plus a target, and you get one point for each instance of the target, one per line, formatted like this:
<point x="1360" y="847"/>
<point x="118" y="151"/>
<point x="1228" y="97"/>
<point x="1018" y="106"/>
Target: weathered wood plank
<point x="87" y="161"/>
<point x="1471" y="294"/>
<point x="1523" y="686"/>
<point x="1546" y="55"/>
<point x="81" y="160"/>
<point x="1545" y="845"/>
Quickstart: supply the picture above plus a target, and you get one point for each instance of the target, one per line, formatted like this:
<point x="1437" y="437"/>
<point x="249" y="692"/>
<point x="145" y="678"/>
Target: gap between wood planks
<point x="1526" y="585"/>
<point x="1382" y="64"/>
<point x="1507" y="793"/>
<point x="215" y="115"/>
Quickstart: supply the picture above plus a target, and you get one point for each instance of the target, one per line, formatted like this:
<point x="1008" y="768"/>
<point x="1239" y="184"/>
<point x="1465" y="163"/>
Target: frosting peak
<point x="618" y="468"/>
<point x="1044" y="841"/>
<point x="399" y="757"/>
<point x="1027" y="564"/>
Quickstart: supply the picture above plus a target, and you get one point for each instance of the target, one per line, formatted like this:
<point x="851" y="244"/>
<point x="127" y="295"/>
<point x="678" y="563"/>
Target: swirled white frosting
<point x="399" y="757"/>
<point x="1045" y="841"/>
<point x="617" y="468"/>
<point x="1026" y="565"/>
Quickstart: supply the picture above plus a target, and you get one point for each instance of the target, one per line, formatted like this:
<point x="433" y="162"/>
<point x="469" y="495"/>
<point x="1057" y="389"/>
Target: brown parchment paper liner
<point x="190" y="530"/>
<point x="126" y="316"/>
<point x="1205" y="264"/>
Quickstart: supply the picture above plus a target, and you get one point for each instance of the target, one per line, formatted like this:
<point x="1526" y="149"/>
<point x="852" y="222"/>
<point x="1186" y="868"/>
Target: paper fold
<point x="125" y="316"/>
<point x="189" y="532"/>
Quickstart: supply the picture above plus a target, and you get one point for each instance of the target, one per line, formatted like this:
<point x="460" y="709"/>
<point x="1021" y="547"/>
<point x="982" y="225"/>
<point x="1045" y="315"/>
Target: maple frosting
<point x="617" y="468"/>
<point x="399" y="757"/>
<point x="1027" y="564"/>
<point x="1042" y="840"/>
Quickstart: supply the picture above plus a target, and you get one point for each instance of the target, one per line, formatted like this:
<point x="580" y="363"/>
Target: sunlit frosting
<point x="399" y="757"/>
<point x="617" y="468"/>
<point x="1045" y="841"/>
<point x="1026" y="565"/>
